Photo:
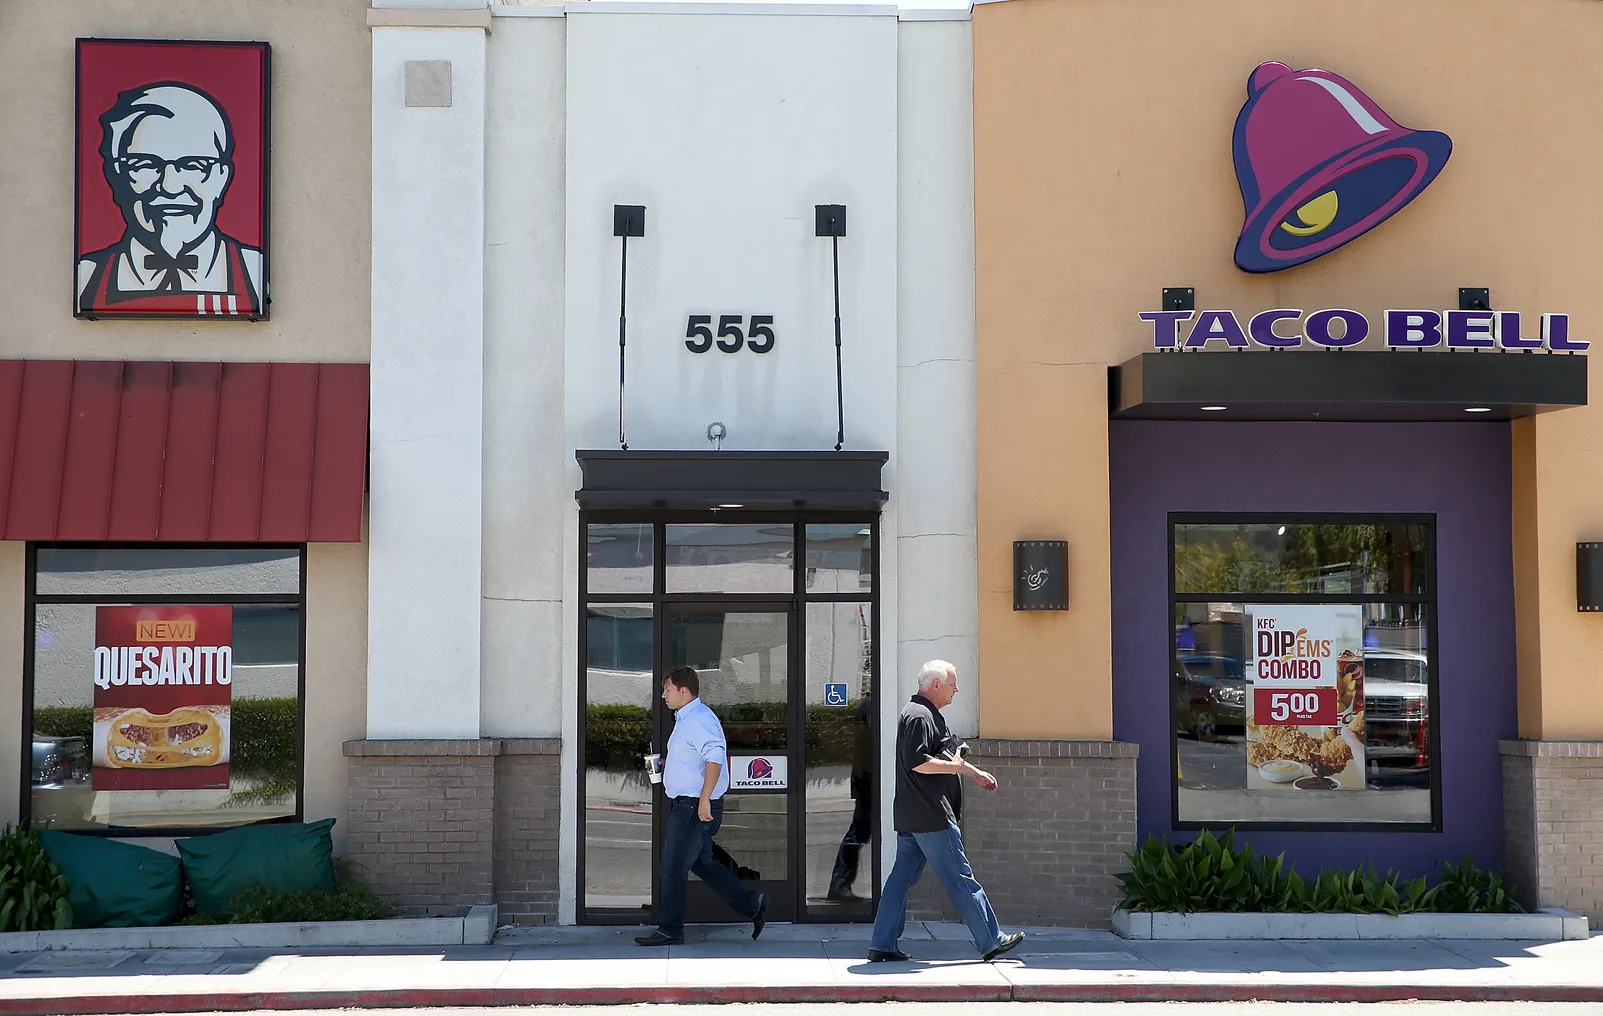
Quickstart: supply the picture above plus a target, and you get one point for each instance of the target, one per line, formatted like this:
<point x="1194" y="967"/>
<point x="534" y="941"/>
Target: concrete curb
<point x="407" y="998"/>
<point x="1548" y="925"/>
<point x="477" y="928"/>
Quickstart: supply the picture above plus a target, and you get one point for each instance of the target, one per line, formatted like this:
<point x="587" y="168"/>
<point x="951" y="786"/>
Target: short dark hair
<point x="684" y="677"/>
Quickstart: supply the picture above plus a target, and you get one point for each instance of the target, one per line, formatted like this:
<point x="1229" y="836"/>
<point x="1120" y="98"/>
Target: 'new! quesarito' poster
<point x="163" y="683"/>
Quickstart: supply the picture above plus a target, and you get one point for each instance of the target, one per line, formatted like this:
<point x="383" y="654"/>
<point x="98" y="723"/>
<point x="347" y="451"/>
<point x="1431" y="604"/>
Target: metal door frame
<point x="796" y="603"/>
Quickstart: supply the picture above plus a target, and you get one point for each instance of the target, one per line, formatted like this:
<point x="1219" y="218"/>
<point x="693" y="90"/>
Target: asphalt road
<point x="1043" y="1009"/>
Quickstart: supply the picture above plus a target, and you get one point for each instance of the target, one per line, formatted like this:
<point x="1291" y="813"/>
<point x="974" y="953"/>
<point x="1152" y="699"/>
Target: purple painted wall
<point x="1459" y="471"/>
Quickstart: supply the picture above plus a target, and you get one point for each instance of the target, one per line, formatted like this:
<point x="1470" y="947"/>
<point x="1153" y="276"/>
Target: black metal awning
<point x="1375" y="385"/>
<point x="835" y="481"/>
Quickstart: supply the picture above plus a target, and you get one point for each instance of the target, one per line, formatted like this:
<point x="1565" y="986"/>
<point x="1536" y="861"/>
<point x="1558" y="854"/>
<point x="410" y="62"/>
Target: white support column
<point x="426" y="532"/>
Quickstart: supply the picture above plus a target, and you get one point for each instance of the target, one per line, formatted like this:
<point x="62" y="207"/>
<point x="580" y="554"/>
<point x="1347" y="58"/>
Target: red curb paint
<point x="408" y="998"/>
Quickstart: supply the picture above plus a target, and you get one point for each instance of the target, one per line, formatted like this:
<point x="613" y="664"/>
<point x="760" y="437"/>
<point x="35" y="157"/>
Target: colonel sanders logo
<point x="759" y="769"/>
<point x="167" y="151"/>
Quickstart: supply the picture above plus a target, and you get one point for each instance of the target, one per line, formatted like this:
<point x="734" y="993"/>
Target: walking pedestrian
<point x="695" y="777"/>
<point x="929" y="804"/>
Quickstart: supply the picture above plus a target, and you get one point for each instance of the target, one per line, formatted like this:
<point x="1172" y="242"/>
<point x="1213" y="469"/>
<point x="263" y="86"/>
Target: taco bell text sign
<point x="171" y="179"/>
<point x="1283" y="328"/>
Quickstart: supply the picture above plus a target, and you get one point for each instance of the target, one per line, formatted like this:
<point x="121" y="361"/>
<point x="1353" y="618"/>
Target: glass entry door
<point x="743" y="658"/>
<point x="778" y="617"/>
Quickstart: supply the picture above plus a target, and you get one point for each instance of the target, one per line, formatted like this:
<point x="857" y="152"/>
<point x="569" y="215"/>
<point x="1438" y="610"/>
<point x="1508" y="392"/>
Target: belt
<point x="695" y="799"/>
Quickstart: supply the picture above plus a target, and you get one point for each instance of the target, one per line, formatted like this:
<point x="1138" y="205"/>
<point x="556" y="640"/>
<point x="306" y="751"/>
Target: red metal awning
<point x="214" y="452"/>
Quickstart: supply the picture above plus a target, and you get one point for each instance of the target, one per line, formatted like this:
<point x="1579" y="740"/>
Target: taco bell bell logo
<point x="759" y="769"/>
<point x="1320" y="164"/>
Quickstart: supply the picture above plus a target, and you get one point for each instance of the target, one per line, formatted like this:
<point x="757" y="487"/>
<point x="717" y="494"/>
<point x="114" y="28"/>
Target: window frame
<point x="31" y="600"/>
<point x="1428" y="599"/>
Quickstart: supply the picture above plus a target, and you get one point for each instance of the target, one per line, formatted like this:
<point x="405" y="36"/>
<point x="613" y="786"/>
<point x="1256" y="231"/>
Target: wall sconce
<point x="1041" y="575"/>
<point x="1589" y="577"/>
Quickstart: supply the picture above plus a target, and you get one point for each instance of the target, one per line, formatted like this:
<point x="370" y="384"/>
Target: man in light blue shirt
<point x="695" y="777"/>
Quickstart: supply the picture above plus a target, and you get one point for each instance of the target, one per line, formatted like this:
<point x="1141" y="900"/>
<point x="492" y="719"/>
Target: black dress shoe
<point x="1008" y="944"/>
<point x="658" y="938"/>
<point x="844" y="895"/>
<point x="886" y="956"/>
<point x="760" y="918"/>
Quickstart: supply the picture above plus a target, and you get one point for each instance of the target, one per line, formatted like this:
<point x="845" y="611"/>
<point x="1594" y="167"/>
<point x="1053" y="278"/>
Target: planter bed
<point x="1548" y="925"/>
<point x="477" y="928"/>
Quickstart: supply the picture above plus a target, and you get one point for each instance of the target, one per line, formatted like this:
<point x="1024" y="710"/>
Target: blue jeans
<point x="943" y="851"/>
<point x="686" y="848"/>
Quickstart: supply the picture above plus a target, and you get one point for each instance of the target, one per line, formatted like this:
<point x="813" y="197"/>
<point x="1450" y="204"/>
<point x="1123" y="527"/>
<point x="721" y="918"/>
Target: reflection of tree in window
<point x="1298" y="558"/>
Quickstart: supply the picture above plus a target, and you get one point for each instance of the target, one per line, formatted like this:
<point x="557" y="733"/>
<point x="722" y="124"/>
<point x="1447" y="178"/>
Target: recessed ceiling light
<point x="731" y="506"/>
<point x="1477" y="409"/>
<point x="1214" y="409"/>
<point x="1282" y="531"/>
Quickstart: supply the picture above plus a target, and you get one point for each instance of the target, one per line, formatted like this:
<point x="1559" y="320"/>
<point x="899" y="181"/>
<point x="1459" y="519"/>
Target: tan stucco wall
<point x="319" y="186"/>
<point x="13" y="570"/>
<point x="336" y="673"/>
<point x="1103" y="173"/>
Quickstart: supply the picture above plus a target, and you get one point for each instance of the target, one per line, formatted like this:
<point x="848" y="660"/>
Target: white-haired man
<point x="168" y="154"/>
<point x="930" y="765"/>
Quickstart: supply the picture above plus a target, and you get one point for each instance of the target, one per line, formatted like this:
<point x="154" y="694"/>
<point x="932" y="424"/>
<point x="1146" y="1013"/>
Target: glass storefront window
<point x="165" y="688"/>
<point x="840" y="558"/>
<point x="1332" y="559"/>
<point x="619" y="692"/>
<point x="619" y="557"/>
<point x="840" y="728"/>
<point x="1313" y="707"/>
<point x="736" y="558"/>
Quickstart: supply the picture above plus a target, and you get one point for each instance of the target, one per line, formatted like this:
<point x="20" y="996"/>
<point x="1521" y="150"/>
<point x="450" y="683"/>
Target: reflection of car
<point x="1210" y="694"/>
<point x="59" y="761"/>
<point x="1396" y="709"/>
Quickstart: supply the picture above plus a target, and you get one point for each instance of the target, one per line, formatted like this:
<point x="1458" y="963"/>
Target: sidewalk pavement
<point x="794" y="963"/>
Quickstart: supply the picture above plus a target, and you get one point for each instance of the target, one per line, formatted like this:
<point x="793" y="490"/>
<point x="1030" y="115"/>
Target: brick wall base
<point x="1048" y="842"/>
<point x="437" y="826"/>
<point x="528" y="824"/>
<point x="1553" y="823"/>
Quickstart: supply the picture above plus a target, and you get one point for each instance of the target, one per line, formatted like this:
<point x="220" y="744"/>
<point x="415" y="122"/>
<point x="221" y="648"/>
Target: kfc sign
<point x="172" y="179"/>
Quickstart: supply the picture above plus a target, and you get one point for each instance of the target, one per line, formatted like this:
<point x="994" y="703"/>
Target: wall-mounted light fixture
<point x="627" y="221"/>
<point x="1589" y="577"/>
<point x="1040" y="575"/>
<point x="1474" y="298"/>
<point x="1179" y="298"/>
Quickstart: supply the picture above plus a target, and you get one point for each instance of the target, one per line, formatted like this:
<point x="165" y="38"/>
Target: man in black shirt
<point x="929" y="805"/>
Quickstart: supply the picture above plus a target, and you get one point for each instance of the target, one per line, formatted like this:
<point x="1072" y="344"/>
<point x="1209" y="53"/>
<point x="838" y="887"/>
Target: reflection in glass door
<point x="778" y="618"/>
<point x="743" y="660"/>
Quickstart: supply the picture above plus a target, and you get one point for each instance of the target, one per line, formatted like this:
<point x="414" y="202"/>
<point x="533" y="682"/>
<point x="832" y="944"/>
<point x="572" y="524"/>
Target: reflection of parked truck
<point x="1396" y="709"/>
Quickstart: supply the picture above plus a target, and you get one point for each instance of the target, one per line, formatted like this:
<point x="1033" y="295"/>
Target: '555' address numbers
<point x="731" y="337"/>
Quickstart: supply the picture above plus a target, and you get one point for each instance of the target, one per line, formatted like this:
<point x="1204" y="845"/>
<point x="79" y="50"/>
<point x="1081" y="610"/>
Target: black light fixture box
<point x="1589" y="577"/>
<point x="1040" y="575"/>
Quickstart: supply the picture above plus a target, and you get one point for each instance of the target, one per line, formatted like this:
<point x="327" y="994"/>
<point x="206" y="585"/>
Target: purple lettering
<point x="1469" y="329"/>
<point x="1556" y="334"/>
<point x="1166" y="326"/>
<point x="1507" y="330"/>
<point x="1263" y="332"/>
<point x="1318" y="327"/>
<point x="1216" y="324"/>
<point x="1413" y="329"/>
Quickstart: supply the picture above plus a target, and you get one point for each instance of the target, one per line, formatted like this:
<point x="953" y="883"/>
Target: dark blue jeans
<point x="686" y="848"/>
<point x="943" y="851"/>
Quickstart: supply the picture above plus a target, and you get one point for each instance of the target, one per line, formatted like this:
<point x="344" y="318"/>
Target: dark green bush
<point x="1209" y="874"/>
<point x="616" y="736"/>
<point x="33" y="893"/>
<point x="349" y="900"/>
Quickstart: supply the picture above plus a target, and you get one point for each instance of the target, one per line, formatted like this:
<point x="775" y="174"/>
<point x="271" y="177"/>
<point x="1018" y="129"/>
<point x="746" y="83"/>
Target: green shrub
<point x="1209" y="875"/>
<point x="1466" y="889"/>
<point x="349" y="900"/>
<point x="616" y="736"/>
<point x="33" y="894"/>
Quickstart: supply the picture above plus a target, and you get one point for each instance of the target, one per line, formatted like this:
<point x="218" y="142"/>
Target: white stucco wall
<point x="936" y="544"/>
<point x="427" y="449"/>
<point x="526" y="496"/>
